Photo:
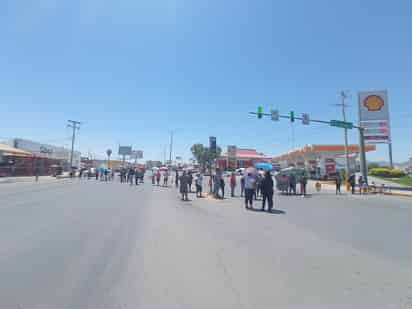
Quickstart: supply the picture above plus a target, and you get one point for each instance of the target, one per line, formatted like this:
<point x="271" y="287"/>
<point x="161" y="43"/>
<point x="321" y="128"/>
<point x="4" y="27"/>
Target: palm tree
<point x="109" y="153"/>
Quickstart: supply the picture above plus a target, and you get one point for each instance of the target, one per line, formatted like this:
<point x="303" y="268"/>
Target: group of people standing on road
<point x="352" y="183"/>
<point x="132" y="176"/>
<point x="157" y="175"/>
<point x="253" y="185"/>
<point x="288" y="184"/>
<point x="185" y="182"/>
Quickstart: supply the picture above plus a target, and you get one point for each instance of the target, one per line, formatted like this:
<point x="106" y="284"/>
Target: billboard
<point x="125" y="150"/>
<point x="374" y="116"/>
<point x="138" y="154"/>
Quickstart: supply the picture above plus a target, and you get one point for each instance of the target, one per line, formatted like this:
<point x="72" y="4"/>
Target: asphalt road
<point x="79" y="244"/>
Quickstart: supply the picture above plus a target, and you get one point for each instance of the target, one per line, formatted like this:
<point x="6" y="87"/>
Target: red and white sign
<point x="374" y="116"/>
<point x="330" y="166"/>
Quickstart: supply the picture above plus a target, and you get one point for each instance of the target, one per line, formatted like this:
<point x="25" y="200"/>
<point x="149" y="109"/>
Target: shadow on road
<point x="277" y="212"/>
<point x="297" y="195"/>
<point x="272" y="212"/>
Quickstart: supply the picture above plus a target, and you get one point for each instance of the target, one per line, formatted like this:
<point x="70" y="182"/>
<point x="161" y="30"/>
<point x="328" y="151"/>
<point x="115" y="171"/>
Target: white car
<point x="240" y="171"/>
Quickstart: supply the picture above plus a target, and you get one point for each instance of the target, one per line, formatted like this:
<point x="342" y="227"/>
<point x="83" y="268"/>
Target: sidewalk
<point x="331" y="188"/>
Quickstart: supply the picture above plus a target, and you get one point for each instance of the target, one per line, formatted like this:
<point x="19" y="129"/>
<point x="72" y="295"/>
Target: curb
<point x="397" y="194"/>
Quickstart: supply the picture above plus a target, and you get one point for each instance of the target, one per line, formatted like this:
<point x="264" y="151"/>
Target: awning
<point x="7" y="150"/>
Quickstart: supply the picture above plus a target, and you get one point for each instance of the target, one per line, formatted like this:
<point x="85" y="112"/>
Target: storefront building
<point x="47" y="151"/>
<point x="17" y="162"/>
<point x="243" y="158"/>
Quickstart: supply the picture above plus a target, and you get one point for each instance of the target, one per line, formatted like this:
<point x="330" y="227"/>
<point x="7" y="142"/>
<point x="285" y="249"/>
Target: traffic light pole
<point x="364" y="169"/>
<point x="288" y="117"/>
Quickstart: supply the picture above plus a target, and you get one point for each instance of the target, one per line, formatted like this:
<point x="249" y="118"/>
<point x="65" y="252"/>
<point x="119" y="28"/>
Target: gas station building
<point x="321" y="160"/>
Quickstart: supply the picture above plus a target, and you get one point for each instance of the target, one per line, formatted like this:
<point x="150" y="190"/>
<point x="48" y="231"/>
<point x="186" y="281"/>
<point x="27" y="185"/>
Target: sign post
<point x="341" y="124"/>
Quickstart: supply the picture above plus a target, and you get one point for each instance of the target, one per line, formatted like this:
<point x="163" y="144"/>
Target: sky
<point x="131" y="71"/>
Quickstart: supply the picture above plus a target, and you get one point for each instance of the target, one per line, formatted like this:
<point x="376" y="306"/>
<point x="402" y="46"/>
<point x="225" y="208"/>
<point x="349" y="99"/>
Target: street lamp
<point x="171" y="144"/>
<point x="109" y="153"/>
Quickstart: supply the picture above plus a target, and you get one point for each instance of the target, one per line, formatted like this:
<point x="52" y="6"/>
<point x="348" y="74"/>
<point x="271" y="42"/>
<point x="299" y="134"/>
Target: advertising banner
<point x="330" y="166"/>
<point x="125" y="150"/>
<point x="374" y="116"/>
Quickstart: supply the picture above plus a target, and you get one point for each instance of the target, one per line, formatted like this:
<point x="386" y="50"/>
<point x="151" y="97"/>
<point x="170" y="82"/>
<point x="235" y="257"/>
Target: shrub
<point x="373" y="165"/>
<point x="387" y="172"/>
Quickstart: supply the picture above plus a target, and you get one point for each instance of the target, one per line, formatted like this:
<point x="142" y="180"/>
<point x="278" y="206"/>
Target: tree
<point x="198" y="152"/>
<point x="203" y="155"/>
<point x="109" y="153"/>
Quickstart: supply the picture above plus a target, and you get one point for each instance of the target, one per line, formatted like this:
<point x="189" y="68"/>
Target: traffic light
<point x="305" y="119"/>
<point x="275" y="115"/>
<point x="260" y="112"/>
<point x="292" y="116"/>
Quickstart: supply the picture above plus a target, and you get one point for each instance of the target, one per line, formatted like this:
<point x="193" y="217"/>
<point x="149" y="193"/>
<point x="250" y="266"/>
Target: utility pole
<point x="344" y="96"/>
<point x="75" y="125"/>
<point x="364" y="168"/>
<point x="171" y="147"/>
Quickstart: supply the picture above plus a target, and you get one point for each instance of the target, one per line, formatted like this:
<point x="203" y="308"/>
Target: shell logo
<point x="373" y="103"/>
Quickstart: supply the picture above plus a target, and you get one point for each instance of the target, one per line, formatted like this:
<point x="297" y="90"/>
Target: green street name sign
<point x="341" y="124"/>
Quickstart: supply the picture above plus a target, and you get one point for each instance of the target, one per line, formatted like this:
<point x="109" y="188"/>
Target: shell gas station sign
<point x="374" y="116"/>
